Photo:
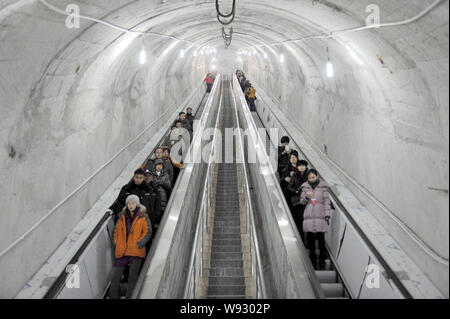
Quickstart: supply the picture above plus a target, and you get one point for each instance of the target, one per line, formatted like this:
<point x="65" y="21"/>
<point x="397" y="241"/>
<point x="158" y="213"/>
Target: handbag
<point x="295" y="200"/>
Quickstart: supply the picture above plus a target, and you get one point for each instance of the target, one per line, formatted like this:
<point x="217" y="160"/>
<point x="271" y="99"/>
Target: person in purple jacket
<point x="316" y="219"/>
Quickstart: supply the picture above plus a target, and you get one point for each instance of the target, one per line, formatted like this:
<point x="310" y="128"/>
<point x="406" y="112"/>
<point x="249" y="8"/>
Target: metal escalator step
<point x="227" y="230"/>
<point x="226" y="263"/>
<point x="227" y="236"/>
<point x="227" y="217"/>
<point x="226" y="290"/>
<point x="327" y="277"/>
<point x="231" y="249"/>
<point x="221" y="211"/>
<point x="227" y="223"/>
<point x="226" y="272"/>
<point x="227" y="297"/>
<point x="226" y="242"/>
<point x="225" y="256"/>
<point x="226" y="281"/>
<point x="333" y="290"/>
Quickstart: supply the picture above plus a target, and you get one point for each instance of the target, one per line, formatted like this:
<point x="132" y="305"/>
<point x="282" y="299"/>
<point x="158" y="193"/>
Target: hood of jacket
<point x="141" y="209"/>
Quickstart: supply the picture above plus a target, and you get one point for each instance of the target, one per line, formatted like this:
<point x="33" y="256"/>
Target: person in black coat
<point x="287" y="172"/>
<point x="155" y="199"/>
<point x="136" y="187"/>
<point x="190" y="117"/>
<point x="283" y="154"/>
<point x="295" y="189"/>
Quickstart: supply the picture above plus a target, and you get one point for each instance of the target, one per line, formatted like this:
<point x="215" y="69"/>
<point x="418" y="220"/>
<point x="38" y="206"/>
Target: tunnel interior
<point x="73" y="98"/>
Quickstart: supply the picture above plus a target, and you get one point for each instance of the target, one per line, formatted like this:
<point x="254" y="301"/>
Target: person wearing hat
<point x="136" y="186"/>
<point x="161" y="179"/>
<point x="168" y="168"/>
<point x="132" y="232"/>
<point x="294" y="189"/>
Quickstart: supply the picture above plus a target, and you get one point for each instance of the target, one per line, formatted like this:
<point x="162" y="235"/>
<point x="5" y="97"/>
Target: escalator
<point x="93" y="260"/>
<point x="330" y="280"/>
<point x="227" y="275"/>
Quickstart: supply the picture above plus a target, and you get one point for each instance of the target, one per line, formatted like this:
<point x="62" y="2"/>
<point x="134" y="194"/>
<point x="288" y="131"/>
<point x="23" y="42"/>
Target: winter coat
<point x="296" y="183"/>
<point x="190" y="118"/>
<point x="132" y="245"/>
<point x="286" y="172"/>
<point x="251" y="93"/>
<point x="179" y="151"/>
<point x="186" y="124"/>
<point x="168" y="168"/>
<point x="142" y="191"/>
<point x="314" y="217"/>
<point x="154" y="211"/>
<point x="165" y="188"/>
<point x="283" y="159"/>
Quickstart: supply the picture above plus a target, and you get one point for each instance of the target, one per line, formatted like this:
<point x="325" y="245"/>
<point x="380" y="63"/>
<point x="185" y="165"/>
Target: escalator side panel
<point x="163" y="274"/>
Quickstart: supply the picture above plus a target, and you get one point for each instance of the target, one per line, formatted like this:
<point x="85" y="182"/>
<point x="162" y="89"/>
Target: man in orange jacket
<point x="133" y="230"/>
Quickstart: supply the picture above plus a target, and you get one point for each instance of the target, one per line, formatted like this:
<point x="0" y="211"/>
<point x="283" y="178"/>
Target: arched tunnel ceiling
<point x="65" y="90"/>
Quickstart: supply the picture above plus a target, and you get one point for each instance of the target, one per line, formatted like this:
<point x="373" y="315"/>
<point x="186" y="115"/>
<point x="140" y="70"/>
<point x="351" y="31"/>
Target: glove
<point x="110" y="212"/>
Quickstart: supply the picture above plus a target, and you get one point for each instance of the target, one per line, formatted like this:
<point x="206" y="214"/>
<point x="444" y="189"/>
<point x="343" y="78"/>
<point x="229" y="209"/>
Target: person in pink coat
<point x="316" y="219"/>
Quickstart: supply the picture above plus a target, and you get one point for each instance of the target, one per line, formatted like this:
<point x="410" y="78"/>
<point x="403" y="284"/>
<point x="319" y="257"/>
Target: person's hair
<point x="294" y="152"/>
<point x="312" y="171"/>
<point x="285" y="139"/>
<point x="181" y="113"/>
<point x="139" y="171"/>
<point x="189" y="108"/>
<point x="159" y="148"/>
<point x="303" y="163"/>
<point x="178" y="122"/>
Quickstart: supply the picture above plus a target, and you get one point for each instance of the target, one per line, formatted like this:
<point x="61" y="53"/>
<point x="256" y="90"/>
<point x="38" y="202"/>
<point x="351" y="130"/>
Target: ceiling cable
<point x="231" y="15"/>
<point x="367" y="27"/>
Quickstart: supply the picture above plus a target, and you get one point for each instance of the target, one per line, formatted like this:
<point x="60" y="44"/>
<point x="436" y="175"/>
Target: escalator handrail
<point x="206" y="184"/>
<point x="157" y="239"/>
<point x="250" y="213"/>
<point x="315" y="284"/>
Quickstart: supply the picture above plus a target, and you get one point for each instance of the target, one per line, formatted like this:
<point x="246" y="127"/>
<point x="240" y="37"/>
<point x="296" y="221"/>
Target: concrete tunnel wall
<point x="71" y="99"/>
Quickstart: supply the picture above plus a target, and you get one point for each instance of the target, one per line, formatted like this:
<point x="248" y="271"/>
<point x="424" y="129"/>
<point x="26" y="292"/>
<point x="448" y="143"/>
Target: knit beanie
<point x="133" y="198"/>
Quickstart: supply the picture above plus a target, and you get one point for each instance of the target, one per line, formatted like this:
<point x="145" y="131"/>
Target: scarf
<point x="315" y="184"/>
